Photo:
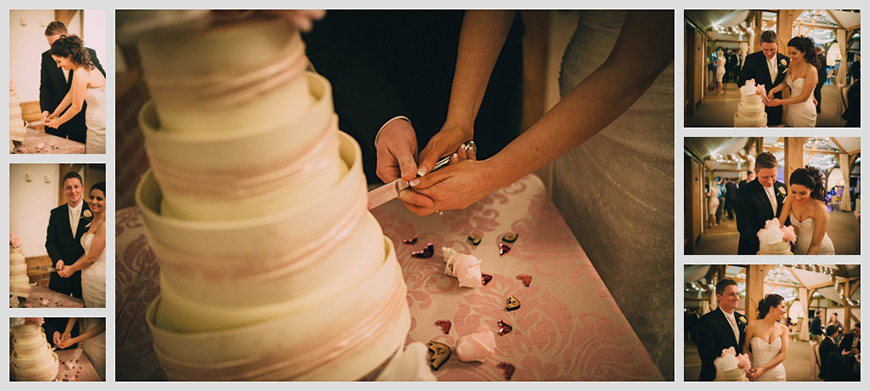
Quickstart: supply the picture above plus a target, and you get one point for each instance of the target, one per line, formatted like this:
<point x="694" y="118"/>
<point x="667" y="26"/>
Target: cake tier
<point x="779" y="248"/>
<point x="736" y="374"/>
<point x="344" y="337"/>
<point x="750" y="111"/>
<point x="227" y="77"/>
<point x="740" y="122"/>
<point x="17" y="268"/>
<point x="751" y="99"/>
<point x="246" y="173"/>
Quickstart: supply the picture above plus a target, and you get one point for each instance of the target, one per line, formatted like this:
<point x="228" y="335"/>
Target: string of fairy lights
<point x="841" y="288"/>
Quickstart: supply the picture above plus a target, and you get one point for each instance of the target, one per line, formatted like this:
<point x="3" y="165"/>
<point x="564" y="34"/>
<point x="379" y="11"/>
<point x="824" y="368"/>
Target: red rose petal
<point x="486" y="278"/>
<point x="508" y="368"/>
<point x="503" y="248"/>
<point x="410" y="240"/>
<point x="525" y="278"/>
<point x="427" y="252"/>
<point x="444" y="324"/>
<point x="504" y="328"/>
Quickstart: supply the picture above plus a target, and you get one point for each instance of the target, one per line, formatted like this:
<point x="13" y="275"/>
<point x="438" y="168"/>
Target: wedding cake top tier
<point x="32" y="358"/>
<point x="775" y="240"/>
<point x="731" y="366"/>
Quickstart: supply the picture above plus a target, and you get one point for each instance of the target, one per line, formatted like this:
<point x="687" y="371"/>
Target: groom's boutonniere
<point x="781" y="191"/>
<point x="741" y="320"/>
<point x="87" y="217"/>
<point x="783" y="65"/>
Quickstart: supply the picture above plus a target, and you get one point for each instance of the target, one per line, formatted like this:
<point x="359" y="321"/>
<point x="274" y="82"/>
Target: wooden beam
<point x="837" y="143"/>
<point x="755" y="278"/>
<point x="796" y="278"/>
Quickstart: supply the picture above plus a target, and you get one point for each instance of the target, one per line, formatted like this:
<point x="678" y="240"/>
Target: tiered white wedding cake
<point x="16" y="123"/>
<point x="255" y="206"/>
<point x="731" y="366"/>
<point x="750" y="111"/>
<point x="19" y="283"/>
<point x="32" y="358"/>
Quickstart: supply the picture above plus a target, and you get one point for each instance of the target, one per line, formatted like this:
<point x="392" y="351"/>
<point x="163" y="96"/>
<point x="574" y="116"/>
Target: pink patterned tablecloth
<point x="50" y="144"/>
<point x="46" y="298"/>
<point x="567" y="328"/>
<point x="79" y="369"/>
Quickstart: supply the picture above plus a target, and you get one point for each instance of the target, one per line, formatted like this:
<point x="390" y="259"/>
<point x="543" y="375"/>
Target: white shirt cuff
<point x="385" y="124"/>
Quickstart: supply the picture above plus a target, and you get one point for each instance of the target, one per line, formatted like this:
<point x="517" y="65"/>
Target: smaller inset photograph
<point x="772" y="322"/>
<point x="57" y="349"/>
<point x="57" y="235"/>
<point x="772" y="68"/>
<point x="772" y="195"/>
<point x="57" y="83"/>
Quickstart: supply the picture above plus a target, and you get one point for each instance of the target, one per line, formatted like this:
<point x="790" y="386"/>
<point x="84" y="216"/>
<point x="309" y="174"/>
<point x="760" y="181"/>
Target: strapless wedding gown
<point x="94" y="295"/>
<point x="95" y="120"/>
<point x="803" y="114"/>
<point x="94" y="277"/>
<point x="804" y="231"/>
<point x="616" y="190"/>
<point x="763" y="353"/>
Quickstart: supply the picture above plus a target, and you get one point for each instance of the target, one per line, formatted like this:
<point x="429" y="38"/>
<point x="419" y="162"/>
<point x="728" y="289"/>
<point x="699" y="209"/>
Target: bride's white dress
<point x="804" y="231"/>
<point x="94" y="295"/>
<point x="763" y="353"/>
<point x="803" y="114"/>
<point x="95" y="120"/>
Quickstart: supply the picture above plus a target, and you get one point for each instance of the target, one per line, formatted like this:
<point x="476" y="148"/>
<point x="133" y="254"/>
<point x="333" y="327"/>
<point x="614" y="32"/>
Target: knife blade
<point x="44" y="269"/>
<point x="389" y="191"/>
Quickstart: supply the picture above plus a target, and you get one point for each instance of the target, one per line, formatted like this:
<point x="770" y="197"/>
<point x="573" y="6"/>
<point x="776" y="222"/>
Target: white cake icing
<point x="271" y="266"/>
<point x="19" y="283"/>
<point x="774" y="240"/>
<point x="750" y="111"/>
<point x="32" y="358"/>
<point x="16" y="123"/>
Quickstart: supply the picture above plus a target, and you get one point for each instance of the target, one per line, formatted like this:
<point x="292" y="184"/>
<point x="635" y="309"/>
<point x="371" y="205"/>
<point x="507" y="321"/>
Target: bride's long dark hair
<point x="73" y="47"/>
<point x="769" y="301"/>
<point x="811" y="178"/>
<point x="808" y="47"/>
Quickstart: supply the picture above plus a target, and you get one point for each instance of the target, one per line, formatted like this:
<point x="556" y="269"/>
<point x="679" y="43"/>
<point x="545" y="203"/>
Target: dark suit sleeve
<point x="745" y="72"/>
<point x="96" y="61"/>
<point x="705" y="340"/>
<point x="51" y="240"/>
<point x="45" y="84"/>
<point x="363" y="95"/>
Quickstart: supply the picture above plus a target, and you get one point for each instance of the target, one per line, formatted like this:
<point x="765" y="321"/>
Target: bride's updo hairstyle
<point x="811" y="178"/>
<point x="769" y="301"/>
<point x="806" y="46"/>
<point x="72" y="46"/>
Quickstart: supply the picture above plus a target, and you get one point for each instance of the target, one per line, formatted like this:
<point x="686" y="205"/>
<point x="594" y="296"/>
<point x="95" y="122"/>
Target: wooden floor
<point x="718" y="110"/>
<point x="797" y="363"/>
<point x="842" y="228"/>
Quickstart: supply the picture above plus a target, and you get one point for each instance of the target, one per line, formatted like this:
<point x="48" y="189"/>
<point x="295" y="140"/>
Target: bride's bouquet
<point x="731" y="366"/>
<point x="775" y="240"/>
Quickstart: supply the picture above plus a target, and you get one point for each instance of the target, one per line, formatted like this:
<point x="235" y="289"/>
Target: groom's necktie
<point x="733" y="324"/>
<point x="772" y="198"/>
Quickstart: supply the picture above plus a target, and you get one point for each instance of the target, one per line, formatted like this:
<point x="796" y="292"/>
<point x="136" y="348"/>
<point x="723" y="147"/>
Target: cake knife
<point x="389" y="191"/>
<point x="44" y="269"/>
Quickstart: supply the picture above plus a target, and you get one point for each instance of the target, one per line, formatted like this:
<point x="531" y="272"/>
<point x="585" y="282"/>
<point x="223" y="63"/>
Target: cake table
<point x="52" y="144"/>
<point x="41" y="297"/>
<point x="568" y="326"/>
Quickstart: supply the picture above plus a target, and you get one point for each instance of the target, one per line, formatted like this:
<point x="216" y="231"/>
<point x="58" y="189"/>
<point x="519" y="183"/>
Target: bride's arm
<point x="86" y="335"/>
<point x="75" y="99"/>
<point x="750" y="331"/>
<point x="90" y="256"/>
<point x="592" y="105"/>
<point x="811" y="77"/>
<point x="786" y="209"/>
<point x="782" y="351"/>
<point x="821" y="226"/>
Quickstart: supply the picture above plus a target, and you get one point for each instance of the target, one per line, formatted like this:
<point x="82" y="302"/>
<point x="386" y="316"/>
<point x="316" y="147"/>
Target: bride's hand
<point x="757" y="373"/>
<point x="774" y="102"/>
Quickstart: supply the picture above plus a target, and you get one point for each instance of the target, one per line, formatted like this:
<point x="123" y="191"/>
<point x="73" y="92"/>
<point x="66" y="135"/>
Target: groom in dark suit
<point x="54" y="85"/>
<point x="767" y="67"/>
<point x="757" y="202"/>
<point x="64" y="243"/>
<point x="720" y="329"/>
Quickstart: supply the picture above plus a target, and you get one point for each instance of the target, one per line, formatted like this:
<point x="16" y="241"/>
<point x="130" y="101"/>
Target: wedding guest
<point x="730" y="197"/>
<point x="823" y="77"/>
<point x="55" y="83"/>
<point x="834" y="367"/>
<point x="851" y="343"/>
<point x="749" y="177"/>
<point x="713" y="204"/>
<point x="832" y="321"/>
<point x="816" y="332"/>
<point x="852" y="115"/>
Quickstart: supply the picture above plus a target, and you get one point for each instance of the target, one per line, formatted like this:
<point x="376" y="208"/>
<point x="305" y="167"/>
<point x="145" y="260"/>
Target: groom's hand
<point x="397" y="151"/>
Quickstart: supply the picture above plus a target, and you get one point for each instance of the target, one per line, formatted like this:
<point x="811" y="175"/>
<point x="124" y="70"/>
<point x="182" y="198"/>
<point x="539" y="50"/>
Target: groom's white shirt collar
<point x="78" y="206"/>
